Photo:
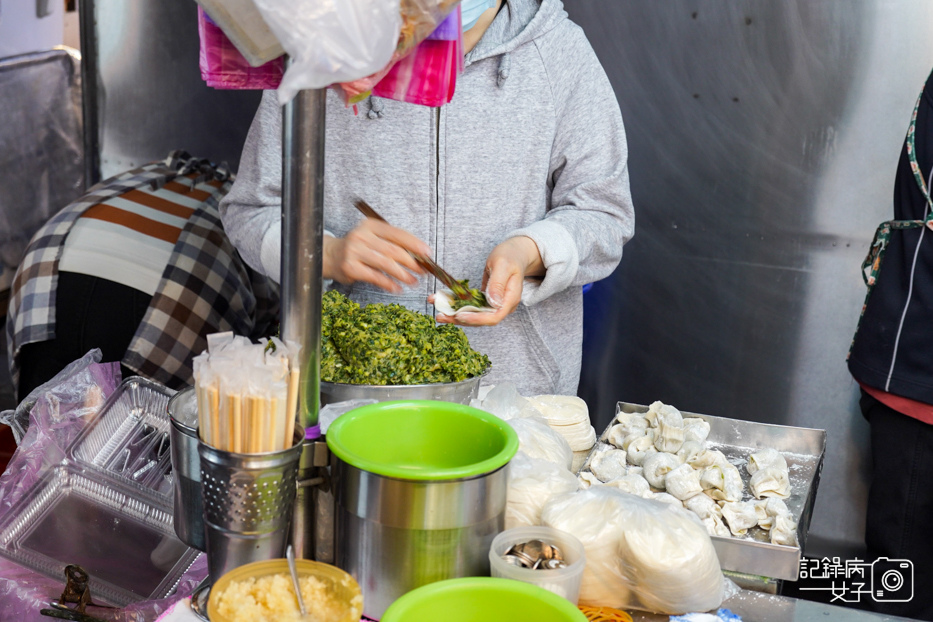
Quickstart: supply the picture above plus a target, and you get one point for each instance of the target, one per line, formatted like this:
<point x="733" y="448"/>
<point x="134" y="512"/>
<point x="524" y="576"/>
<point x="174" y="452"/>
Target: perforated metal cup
<point x="248" y="501"/>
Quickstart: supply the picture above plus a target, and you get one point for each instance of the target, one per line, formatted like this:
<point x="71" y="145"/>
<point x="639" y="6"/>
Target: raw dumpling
<point x="631" y="437"/>
<point x="708" y="458"/>
<point x="715" y="526"/>
<point x="640" y="448"/>
<point x="617" y="434"/>
<point x="683" y="482"/>
<point x="689" y="450"/>
<point x="703" y="506"/>
<point x="632" y="484"/>
<point x="631" y="422"/>
<point x="768" y="508"/>
<point x="657" y="409"/>
<point x="670" y="437"/>
<point x="770" y="481"/>
<point x="740" y="516"/>
<point x="657" y="466"/>
<point x="635" y="470"/>
<point x="608" y="465"/>
<point x="764" y="458"/>
<point x="696" y="429"/>
<point x="722" y="482"/>
<point x="784" y="530"/>
<point x="587" y="479"/>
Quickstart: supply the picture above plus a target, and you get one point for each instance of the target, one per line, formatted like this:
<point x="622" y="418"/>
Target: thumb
<point x="495" y="287"/>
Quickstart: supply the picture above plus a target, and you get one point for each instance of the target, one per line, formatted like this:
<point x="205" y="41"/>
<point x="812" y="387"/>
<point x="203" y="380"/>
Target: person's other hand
<point x="374" y="252"/>
<point x="506" y="268"/>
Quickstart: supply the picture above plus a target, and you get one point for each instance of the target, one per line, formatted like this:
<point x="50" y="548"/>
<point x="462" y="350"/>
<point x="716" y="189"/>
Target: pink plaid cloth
<point x="222" y="65"/>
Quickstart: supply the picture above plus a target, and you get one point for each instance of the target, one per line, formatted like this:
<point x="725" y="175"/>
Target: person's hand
<point x="374" y="252"/>
<point x="506" y="268"/>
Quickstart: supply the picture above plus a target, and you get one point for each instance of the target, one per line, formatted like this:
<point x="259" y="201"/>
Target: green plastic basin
<point x="482" y="599"/>
<point x="422" y="440"/>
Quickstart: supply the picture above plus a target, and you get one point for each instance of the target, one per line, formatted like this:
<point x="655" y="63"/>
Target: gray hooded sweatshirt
<point x="532" y="144"/>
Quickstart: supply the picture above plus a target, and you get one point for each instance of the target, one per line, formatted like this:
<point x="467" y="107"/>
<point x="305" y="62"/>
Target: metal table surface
<point x="759" y="607"/>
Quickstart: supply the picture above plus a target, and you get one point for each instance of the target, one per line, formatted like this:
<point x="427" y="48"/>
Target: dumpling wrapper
<point x="683" y="482"/>
<point x="770" y="482"/>
<point x="631" y="437"/>
<point x="609" y="465"/>
<point x="740" y="516"/>
<point x="696" y="429"/>
<point x="764" y="458"/>
<point x="631" y="422"/>
<point x="443" y="302"/>
<point x="619" y="433"/>
<point x="657" y="466"/>
<point x="703" y="506"/>
<point x="660" y="410"/>
<point x="768" y="508"/>
<point x="587" y="479"/>
<point x="639" y="449"/>
<point x="670" y="437"/>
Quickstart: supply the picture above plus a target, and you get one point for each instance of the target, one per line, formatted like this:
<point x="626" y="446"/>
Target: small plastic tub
<point x="481" y="599"/>
<point x="564" y="582"/>
<point x="340" y="586"/>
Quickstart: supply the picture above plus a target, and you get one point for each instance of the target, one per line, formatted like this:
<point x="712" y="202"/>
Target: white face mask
<point x="470" y="10"/>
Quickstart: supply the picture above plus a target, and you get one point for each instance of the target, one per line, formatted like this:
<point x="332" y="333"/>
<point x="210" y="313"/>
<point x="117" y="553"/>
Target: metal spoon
<point x="290" y="556"/>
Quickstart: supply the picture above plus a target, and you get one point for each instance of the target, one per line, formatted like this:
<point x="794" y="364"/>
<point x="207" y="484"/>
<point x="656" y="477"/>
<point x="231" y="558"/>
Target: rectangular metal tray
<point x="127" y="545"/>
<point x="803" y="448"/>
<point x="128" y="439"/>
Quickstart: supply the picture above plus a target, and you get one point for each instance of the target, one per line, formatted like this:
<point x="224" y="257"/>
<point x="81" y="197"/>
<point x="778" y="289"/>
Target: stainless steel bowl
<point x="458" y="392"/>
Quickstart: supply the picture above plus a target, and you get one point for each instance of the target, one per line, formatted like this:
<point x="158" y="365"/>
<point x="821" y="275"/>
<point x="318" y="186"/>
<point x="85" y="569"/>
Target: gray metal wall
<point x="763" y="141"/>
<point x="150" y="96"/>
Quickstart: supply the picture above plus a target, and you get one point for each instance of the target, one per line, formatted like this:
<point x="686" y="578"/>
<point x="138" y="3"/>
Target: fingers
<point x="378" y="253"/>
<point x="511" y="297"/>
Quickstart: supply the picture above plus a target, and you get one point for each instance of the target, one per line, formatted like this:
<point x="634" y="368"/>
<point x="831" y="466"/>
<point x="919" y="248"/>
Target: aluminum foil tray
<point x="803" y="448"/>
<point x="128" y="546"/>
<point x="128" y="439"/>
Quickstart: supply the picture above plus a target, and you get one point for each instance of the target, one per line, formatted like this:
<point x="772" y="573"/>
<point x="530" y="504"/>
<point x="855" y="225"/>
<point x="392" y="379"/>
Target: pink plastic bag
<point x="222" y="65"/>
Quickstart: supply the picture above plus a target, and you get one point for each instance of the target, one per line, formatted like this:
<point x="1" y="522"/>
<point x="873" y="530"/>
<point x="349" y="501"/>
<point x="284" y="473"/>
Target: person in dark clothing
<point x="892" y="360"/>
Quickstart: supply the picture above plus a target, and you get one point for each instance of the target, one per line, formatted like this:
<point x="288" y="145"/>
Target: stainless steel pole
<point x="302" y="258"/>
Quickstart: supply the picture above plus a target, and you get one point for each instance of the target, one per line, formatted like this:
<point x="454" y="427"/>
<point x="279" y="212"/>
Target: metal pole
<point x="302" y="282"/>
<point x="87" y="23"/>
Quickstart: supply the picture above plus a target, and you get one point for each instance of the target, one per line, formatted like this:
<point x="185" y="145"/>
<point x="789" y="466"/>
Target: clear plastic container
<point x="562" y="581"/>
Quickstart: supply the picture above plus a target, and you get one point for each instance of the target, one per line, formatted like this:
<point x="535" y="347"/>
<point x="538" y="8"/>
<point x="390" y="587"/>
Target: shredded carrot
<point x="604" y="614"/>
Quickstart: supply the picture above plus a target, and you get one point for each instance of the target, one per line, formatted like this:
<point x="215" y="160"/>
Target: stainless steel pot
<point x="395" y="535"/>
<point x="456" y="392"/>
<point x="186" y="466"/>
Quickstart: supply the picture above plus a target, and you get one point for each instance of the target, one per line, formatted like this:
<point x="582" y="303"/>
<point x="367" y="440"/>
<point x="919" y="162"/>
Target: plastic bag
<point x="330" y="412"/>
<point x="52" y="416"/>
<point x="427" y="76"/>
<point x="640" y="554"/>
<point x="532" y="483"/>
<point x="331" y="40"/>
<point x="224" y="67"/>
<point x="505" y="402"/>
<point x="537" y="440"/>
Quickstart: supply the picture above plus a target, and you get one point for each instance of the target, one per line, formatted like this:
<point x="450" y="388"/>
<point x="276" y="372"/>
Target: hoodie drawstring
<point x="505" y="64"/>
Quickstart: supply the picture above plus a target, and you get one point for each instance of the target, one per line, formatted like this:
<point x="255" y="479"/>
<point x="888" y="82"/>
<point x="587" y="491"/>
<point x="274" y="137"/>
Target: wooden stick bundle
<point x="247" y="394"/>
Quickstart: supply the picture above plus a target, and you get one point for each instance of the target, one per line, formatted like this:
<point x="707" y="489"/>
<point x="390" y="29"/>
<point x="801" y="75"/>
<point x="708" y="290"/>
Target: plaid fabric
<point x="205" y="287"/>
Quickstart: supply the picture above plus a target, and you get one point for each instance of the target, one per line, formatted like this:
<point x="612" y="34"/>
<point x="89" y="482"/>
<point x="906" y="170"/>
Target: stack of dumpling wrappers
<point x="568" y="415"/>
<point x="661" y="455"/>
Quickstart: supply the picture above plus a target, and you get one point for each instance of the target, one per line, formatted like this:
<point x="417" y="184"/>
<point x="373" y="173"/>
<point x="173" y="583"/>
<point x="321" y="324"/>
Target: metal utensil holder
<point x="248" y="503"/>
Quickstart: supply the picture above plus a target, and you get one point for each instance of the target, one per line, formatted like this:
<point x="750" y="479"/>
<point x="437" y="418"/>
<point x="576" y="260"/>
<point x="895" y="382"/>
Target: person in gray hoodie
<point x="519" y="183"/>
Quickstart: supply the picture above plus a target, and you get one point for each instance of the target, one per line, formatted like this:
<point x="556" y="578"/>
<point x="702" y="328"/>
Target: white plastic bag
<point x="331" y="40"/>
<point x="505" y="402"/>
<point x="640" y="554"/>
<point x="537" y="440"/>
<point x="532" y="483"/>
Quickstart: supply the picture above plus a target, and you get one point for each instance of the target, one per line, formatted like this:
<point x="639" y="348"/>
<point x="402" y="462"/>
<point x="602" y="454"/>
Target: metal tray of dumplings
<point x="802" y="448"/>
<point x="126" y="544"/>
<point x="128" y="440"/>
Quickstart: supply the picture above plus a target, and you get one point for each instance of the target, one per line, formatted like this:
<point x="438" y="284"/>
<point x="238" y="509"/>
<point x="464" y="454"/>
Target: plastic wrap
<point x="224" y="67"/>
<point x="52" y="416"/>
<point x="331" y="412"/>
<point x="504" y="401"/>
<point x="332" y="40"/>
<point x="537" y="440"/>
<point x="532" y="483"/>
<point x="640" y="554"/>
